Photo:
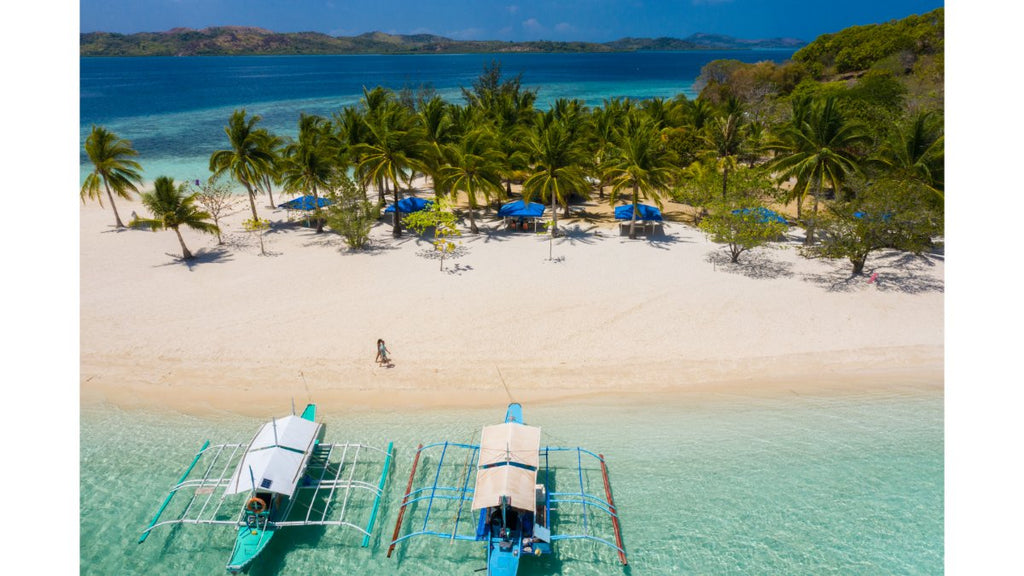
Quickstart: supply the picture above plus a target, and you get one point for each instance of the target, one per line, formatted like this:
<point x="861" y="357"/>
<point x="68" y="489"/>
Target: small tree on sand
<point x="439" y="217"/>
<point x="742" y="227"/>
<point x="216" y="197"/>
<point x="257" y="227"/>
<point x="350" y="213"/>
<point x="171" y="209"/>
<point x="887" y="214"/>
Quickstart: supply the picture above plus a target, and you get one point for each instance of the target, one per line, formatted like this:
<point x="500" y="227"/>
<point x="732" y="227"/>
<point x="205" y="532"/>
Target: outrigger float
<point x="284" y="477"/>
<point x="515" y="515"/>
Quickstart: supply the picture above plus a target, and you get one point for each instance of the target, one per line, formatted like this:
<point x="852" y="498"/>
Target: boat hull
<point x="249" y="543"/>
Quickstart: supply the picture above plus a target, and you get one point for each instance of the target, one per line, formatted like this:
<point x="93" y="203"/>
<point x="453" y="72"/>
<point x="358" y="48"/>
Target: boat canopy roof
<point x="277" y="456"/>
<point x="509" y="457"/>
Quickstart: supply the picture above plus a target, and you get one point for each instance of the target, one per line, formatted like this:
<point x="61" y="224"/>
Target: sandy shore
<point x="603" y="317"/>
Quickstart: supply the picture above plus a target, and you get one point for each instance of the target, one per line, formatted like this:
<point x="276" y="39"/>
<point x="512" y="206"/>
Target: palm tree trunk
<point x="472" y="221"/>
<point x="117" y="218"/>
<point x="396" y="230"/>
<point x="185" y="254"/>
<point x="270" y="191"/>
<point x="252" y="201"/>
<point x="811" y="222"/>
<point x="554" y="216"/>
<point x="316" y="211"/>
<point x="632" y="222"/>
<point x="725" y="179"/>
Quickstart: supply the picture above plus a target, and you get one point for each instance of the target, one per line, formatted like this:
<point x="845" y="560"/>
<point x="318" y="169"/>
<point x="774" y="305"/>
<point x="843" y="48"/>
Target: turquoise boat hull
<point x="248" y="545"/>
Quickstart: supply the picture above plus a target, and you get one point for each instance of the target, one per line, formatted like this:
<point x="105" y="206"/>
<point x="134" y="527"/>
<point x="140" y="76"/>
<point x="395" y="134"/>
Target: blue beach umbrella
<point x="763" y="214"/>
<point x="644" y="212"/>
<point x="409" y="205"/>
<point x="518" y="210"/>
<point x="305" y="203"/>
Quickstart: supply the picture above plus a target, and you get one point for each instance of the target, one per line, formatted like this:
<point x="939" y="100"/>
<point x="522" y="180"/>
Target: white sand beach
<point x="603" y="316"/>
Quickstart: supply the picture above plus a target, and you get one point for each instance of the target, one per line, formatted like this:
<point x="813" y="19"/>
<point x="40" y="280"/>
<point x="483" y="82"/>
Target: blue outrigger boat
<point x="284" y="477"/>
<point x="510" y="511"/>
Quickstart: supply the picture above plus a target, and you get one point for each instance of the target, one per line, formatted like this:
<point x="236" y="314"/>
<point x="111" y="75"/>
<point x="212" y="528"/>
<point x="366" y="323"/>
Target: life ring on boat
<point x="255" y="505"/>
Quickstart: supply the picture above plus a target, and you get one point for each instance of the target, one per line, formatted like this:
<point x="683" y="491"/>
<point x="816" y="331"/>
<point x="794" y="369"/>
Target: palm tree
<point x="247" y="159"/>
<point x="171" y="208"/>
<point x="641" y="164"/>
<point x="395" y="148"/>
<point x="916" y="152"/>
<point x="110" y="156"/>
<point x="820" y="152"/>
<point x="273" y="146"/>
<point x="310" y="162"/>
<point x="557" y="167"/>
<point x="474" y="165"/>
<point x="726" y="138"/>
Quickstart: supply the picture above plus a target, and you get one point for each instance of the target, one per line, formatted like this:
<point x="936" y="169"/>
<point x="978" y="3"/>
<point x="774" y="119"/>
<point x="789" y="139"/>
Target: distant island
<point x="243" y="41"/>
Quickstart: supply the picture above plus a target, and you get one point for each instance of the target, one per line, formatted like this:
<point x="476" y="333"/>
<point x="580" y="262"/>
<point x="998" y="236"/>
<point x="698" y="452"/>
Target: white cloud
<point x="533" y="25"/>
<point x="565" y="27"/>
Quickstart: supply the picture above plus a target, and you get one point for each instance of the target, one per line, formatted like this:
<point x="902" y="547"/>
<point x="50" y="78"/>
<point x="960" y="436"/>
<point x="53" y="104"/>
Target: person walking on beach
<point x="382" y="353"/>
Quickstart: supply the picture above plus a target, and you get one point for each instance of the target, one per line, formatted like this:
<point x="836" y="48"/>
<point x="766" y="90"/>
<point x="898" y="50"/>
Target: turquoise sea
<point x="722" y="484"/>
<point x="174" y="109"/>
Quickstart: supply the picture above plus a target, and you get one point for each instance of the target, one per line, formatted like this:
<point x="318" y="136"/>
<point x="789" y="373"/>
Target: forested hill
<point x="237" y="41"/>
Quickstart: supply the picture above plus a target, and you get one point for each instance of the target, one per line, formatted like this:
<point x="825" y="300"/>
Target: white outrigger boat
<point x="516" y="514"/>
<point x="284" y="477"/>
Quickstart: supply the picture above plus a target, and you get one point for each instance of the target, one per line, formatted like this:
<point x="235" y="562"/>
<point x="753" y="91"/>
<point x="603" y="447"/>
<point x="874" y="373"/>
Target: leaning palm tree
<point x="557" y="167"/>
<point x="247" y="159"/>
<point x="474" y="166"/>
<point x="820" y="152"/>
<point x="311" y="162"/>
<point x="641" y="164"/>
<point x="113" y="167"/>
<point x="172" y="209"/>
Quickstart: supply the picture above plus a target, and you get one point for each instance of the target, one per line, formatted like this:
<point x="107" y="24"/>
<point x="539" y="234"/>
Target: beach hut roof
<point x="518" y="209"/>
<point x="410" y="204"/>
<point x="509" y="457"/>
<point x="276" y="456"/>
<point x="644" y="212"/>
<point x="306" y="202"/>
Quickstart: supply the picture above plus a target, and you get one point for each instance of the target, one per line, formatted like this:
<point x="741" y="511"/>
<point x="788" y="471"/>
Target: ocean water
<point x="798" y="484"/>
<point x="174" y="110"/>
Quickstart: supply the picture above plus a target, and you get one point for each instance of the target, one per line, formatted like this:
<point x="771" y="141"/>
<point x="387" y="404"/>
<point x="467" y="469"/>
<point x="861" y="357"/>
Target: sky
<point x="518" y="20"/>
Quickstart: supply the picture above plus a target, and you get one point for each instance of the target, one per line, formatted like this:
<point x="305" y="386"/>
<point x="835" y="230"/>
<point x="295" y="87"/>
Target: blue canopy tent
<point x="409" y="205"/>
<point x="763" y="214"/>
<point x="516" y="214"/>
<point x="645" y="214"/>
<point x="305" y="203"/>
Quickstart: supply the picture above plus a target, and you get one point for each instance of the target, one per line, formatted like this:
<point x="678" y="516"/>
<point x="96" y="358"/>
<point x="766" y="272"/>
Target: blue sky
<point x="590" y="20"/>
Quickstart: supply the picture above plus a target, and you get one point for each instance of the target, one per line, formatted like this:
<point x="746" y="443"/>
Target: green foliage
<point x="172" y="208"/>
<point x="884" y="214"/>
<point x="113" y="167"/>
<point x="439" y="217"/>
<point x="860" y="47"/>
<point x="741" y="231"/>
<point x="350" y="213"/>
<point x="257" y="226"/>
